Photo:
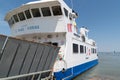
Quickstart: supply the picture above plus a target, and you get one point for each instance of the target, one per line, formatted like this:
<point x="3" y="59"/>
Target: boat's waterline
<point x="74" y="71"/>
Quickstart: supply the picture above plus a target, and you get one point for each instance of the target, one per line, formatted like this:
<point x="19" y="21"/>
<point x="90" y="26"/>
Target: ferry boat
<point x="53" y="22"/>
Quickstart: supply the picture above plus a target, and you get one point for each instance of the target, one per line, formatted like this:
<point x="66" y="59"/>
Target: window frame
<point x="91" y="50"/>
<point x="11" y="21"/>
<point x="66" y="12"/>
<point x="21" y="16"/>
<point x="28" y="13"/>
<point x="75" y="48"/>
<point x="46" y="12"/>
<point x="36" y="13"/>
<point x="70" y="16"/>
<point x="57" y="9"/>
<point x="95" y="51"/>
<point x="81" y="49"/>
<point x="16" y="18"/>
<point x="85" y="49"/>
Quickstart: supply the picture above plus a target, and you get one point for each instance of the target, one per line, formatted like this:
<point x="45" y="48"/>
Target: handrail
<point x="25" y="75"/>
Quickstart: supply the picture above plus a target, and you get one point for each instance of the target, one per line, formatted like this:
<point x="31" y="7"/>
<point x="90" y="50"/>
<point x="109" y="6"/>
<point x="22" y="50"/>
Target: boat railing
<point x="31" y="76"/>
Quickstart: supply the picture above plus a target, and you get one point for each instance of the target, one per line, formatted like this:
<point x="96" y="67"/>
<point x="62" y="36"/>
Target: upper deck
<point x="46" y="16"/>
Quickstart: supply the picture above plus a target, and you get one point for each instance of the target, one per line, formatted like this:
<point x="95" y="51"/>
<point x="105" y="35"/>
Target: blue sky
<point x="102" y="17"/>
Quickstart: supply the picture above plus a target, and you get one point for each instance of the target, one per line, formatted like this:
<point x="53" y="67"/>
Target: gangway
<point x="25" y="59"/>
<point x="31" y="76"/>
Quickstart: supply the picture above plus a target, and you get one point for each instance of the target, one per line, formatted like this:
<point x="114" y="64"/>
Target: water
<point x="107" y="69"/>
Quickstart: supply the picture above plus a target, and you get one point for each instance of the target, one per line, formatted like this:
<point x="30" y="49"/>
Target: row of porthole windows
<point x="35" y="12"/>
<point x="82" y="49"/>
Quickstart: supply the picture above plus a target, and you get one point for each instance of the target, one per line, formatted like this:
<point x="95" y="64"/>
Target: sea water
<point x="107" y="69"/>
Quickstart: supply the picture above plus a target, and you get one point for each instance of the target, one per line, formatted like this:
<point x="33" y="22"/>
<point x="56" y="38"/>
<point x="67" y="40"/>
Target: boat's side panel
<point x="74" y="71"/>
<point x="39" y="25"/>
<point x="77" y="58"/>
<point x="76" y="62"/>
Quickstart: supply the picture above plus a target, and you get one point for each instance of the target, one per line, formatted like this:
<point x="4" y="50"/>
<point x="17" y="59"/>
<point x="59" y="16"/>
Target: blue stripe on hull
<point x="74" y="71"/>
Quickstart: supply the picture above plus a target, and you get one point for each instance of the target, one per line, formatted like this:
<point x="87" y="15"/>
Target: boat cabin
<point x="51" y="22"/>
<point x="45" y="16"/>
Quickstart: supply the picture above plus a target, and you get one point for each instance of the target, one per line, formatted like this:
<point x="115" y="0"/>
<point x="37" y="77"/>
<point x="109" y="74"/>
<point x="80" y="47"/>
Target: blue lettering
<point x="32" y="27"/>
<point x="22" y="29"/>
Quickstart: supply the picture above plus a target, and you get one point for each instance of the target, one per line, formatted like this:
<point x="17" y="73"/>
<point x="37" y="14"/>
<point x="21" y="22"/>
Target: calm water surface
<point x="107" y="69"/>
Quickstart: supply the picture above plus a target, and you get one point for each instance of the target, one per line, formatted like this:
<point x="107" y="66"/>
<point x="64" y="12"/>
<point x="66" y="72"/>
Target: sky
<point x="101" y="17"/>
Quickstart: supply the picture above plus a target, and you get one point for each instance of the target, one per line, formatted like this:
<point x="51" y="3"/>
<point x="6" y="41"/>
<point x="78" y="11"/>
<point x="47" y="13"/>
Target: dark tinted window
<point x="95" y="51"/>
<point x="35" y="12"/>
<point x="21" y="16"/>
<point x="85" y="49"/>
<point x="83" y="38"/>
<point x="75" y="48"/>
<point x="15" y="18"/>
<point x="46" y="11"/>
<point x="70" y="16"/>
<point x="56" y="10"/>
<point x="55" y="44"/>
<point x="66" y="12"/>
<point x="81" y="49"/>
<point x="92" y="50"/>
<point x="28" y="15"/>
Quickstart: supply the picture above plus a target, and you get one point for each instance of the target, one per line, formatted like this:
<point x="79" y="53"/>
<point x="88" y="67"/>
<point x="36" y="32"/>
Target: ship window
<point x="81" y="49"/>
<point x="83" y="38"/>
<point x="55" y="44"/>
<point x="75" y="48"/>
<point x="66" y="12"/>
<point x="92" y="50"/>
<point x="11" y="21"/>
<point x="28" y="15"/>
<point x="48" y="42"/>
<point x="21" y="16"/>
<point x="46" y="11"/>
<point x="85" y="49"/>
<point x="15" y="18"/>
<point x="95" y="51"/>
<point x="36" y="12"/>
<point x="70" y="16"/>
<point x="56" y="10"/>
